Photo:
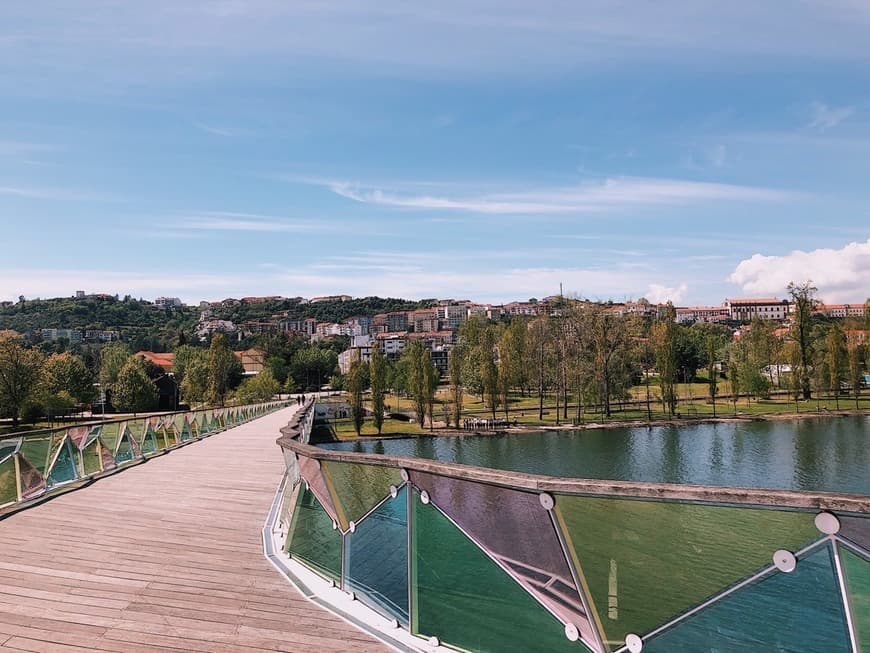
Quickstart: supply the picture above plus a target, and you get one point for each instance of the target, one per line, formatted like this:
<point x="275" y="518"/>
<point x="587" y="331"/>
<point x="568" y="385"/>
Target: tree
<point x="416" y="357"/>
<point x="712" y="351"/>
<point x="834" y="347"/>
<point x="454" y="369"/>
<point x="538" y="351"/>
<point x="185" y="355"/>
<point x="430" y="386"/>
<point x="19" y="374"/>
<point x="489" y="369"/>
<point x="356" y="385"/>
<point x="224" y="369"/>
<point x="67" y="373"/>
<point x="194" y="385"/>
<point x="258" y="389"/>
<point x="854" y="356"/>
<point x="132" y="390"/>
<point x="378" y="378"/>
<point x="803" y="301"/>
<point x="112" y="358"/>
<point x="664" y="338"/>
<point x="608" y="339"/>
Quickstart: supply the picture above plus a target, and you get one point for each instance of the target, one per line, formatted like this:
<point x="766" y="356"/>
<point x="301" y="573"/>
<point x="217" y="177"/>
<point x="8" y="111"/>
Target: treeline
<point x="588" y="358"/>
<point x="326" y="311"/>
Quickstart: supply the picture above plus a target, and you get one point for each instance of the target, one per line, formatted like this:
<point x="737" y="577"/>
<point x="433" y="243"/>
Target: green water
<point x="822" y="454"/>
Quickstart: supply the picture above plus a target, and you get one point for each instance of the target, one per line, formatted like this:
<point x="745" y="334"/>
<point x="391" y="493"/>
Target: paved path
<point x="164" y="556"/>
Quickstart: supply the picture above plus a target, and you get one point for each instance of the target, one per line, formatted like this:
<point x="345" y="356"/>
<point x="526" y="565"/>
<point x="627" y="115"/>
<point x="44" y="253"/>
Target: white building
<point x="767" y="308"/>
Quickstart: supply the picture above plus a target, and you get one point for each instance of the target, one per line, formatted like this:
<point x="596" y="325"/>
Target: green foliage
<point x="378" y="378"/>
<point x="803" y="300"/>
<point x="67" y="373"/>
<point x="224" y="369"/>
<point x="258" y="389"/>
<point x="133" y="390"/>
<point x="356" y="385"/>
<point x="664" y="338"/>
<point x="454" y="369"/>
<point x="194" y="384"/>
<point x="184" y="356"/>
<point x="312" y="366"/>
<point x="19" y="375"/>
<point x="112" y="358"/>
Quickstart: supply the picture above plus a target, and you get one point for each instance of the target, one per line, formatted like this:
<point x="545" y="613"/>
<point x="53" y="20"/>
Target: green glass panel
<point x="857" y="572"/>
<point x="91" y="458"/>
<point x="125" y="451"/>
<point x="136" y="429"/>
<point x="376" y="558"/>
<point x="798" y="612"/>
<point x="110" y="434"/>
<point x="64" y="467"/>
<point x="8" y="482"/>
<point x="645" y="562"/>
<point x="149" y="441"/>
<point x="36" y="451"/>
<point x="312" y="539"/>
<point x="461" y="596"/>
<point x="356" y="489"/>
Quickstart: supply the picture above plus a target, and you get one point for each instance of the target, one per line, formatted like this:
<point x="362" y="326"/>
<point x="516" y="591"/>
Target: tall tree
<point x="258" y="389"/>
<point x="489" y="368"/>
<point x="415" y="354"/>
<point x="538" y="351"/>
<point x="378" y="377"/>
<point x="224" y="369"/>
<point x="133" y="390"/>
<point x="664" y="337"/>
<point x="803" y="303"/>
<point x="712" y="351"/>
<point x="854" y="355"/>
<point x="356" y="385"/>
<point x="19" y="374"/>
<point x="608" y="340"/>
<point x="67" y="372"/>
<point x="835" y="355"/>
<point x="430" y="385"/>
<point x="194" y="385"/>
<point x="454" y="370"/>
<point x="112" y="358"/>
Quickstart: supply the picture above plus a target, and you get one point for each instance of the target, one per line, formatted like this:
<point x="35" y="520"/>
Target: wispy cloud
<point x="825" y="117"/>
<point x="231" y="221"/>
<point x="216" y="131"/>
<point x="54" y="194"/>
<point x="605" y="195"/>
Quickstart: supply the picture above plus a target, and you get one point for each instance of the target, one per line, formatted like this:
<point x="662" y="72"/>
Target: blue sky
<point x="489" y="150"/>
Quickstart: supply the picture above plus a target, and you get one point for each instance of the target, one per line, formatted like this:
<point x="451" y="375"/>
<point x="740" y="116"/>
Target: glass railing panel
<point x="91" y="458"/>
<point x="465" y="599"/>
<point x="309" y="469"/>
<point x="37" y="449"/>
<point x="856" y="569"/>
<point x="643" y="562"/>
<point x="111" y="431"/>
<point x="63" y="468"/>
<point x="312" y="538"/>
<point x="797" y="611"/>
<point x="856" y="529"/>
<point x="32" y="483"/>
<point x="356" y="489"/>
<point x="514" y="528"/>
<point x="376" y="558"/>
<point x="8" y="481"/>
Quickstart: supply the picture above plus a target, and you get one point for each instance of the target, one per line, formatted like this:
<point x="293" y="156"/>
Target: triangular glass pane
<point x="466" y="600"/>
<point x="515" y="529"/>
<point x="8" y="448"/>
<point x="376" y="558"/>
<point x="31" y="481"/>
<point x="110" y="433"/>
<point x="136" y="429"/>
<point x="797" y="612"/>
<point x="149" y="441"/>
<point x="36" y="450"/>
<point x="8" y="482"/>
<point x="645" y="562"/>
<point x="857" y="572"/>
<point x="309" y="469"/>
<point x="289" y="500"/>
<point x="64" y="467"/>
<point x="126" y="451"/>
<point x="91" y="459"/>
<point x="312" y="539"/>
<point x="856" y="529"/>
<point x="356" y="489"/>
<point x="106" y="457"/>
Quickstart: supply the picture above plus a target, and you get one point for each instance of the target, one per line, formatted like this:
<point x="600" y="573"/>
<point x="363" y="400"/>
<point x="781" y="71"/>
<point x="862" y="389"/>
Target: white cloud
<point x="825" y="117"/>
<point x="54" y="194"/>
<point x="230" y="221"/>
<point x="659" y="294"/>
<point x="606" y="195"/>
<point x="841" y="275"/>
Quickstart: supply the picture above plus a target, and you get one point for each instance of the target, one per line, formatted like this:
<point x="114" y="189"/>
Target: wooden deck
<point x="165" y="556"/>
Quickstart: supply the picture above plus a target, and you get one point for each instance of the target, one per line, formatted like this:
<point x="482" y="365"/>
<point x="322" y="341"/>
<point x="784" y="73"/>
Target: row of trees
<point x="589" y="358"/>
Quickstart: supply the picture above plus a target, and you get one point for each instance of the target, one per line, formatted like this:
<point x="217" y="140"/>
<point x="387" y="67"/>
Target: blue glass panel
<point x="800" y="612"/>
<point x="376" y="558"/>
<point x="312" y="539"/>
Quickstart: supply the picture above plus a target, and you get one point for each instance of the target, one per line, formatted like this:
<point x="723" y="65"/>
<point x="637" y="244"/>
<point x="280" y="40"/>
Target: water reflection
<point x="825" y="454"/>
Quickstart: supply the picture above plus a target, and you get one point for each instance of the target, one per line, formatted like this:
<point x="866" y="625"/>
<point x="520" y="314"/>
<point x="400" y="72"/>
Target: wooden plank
<point x="165" y="556"/>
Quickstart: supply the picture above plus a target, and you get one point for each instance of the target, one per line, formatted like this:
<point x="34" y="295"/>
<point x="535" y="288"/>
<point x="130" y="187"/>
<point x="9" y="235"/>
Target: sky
<point x="481" y="149"/>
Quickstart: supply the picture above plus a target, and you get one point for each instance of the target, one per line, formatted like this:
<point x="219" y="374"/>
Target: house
<point x="843" y="310"/>
<point x="702" y="314"/>
<point x="253" y="360"/>
<point x="765" y="308"/>
<point x="167" y="392"/>
<point x="163" y="360"/>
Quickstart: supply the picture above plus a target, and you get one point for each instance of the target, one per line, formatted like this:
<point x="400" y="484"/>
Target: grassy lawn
<point x="524" y="410"/>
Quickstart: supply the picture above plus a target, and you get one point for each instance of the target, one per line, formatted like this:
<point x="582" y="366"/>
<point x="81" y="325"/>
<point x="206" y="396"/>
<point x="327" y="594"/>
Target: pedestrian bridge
<point x="166" y="555"/>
